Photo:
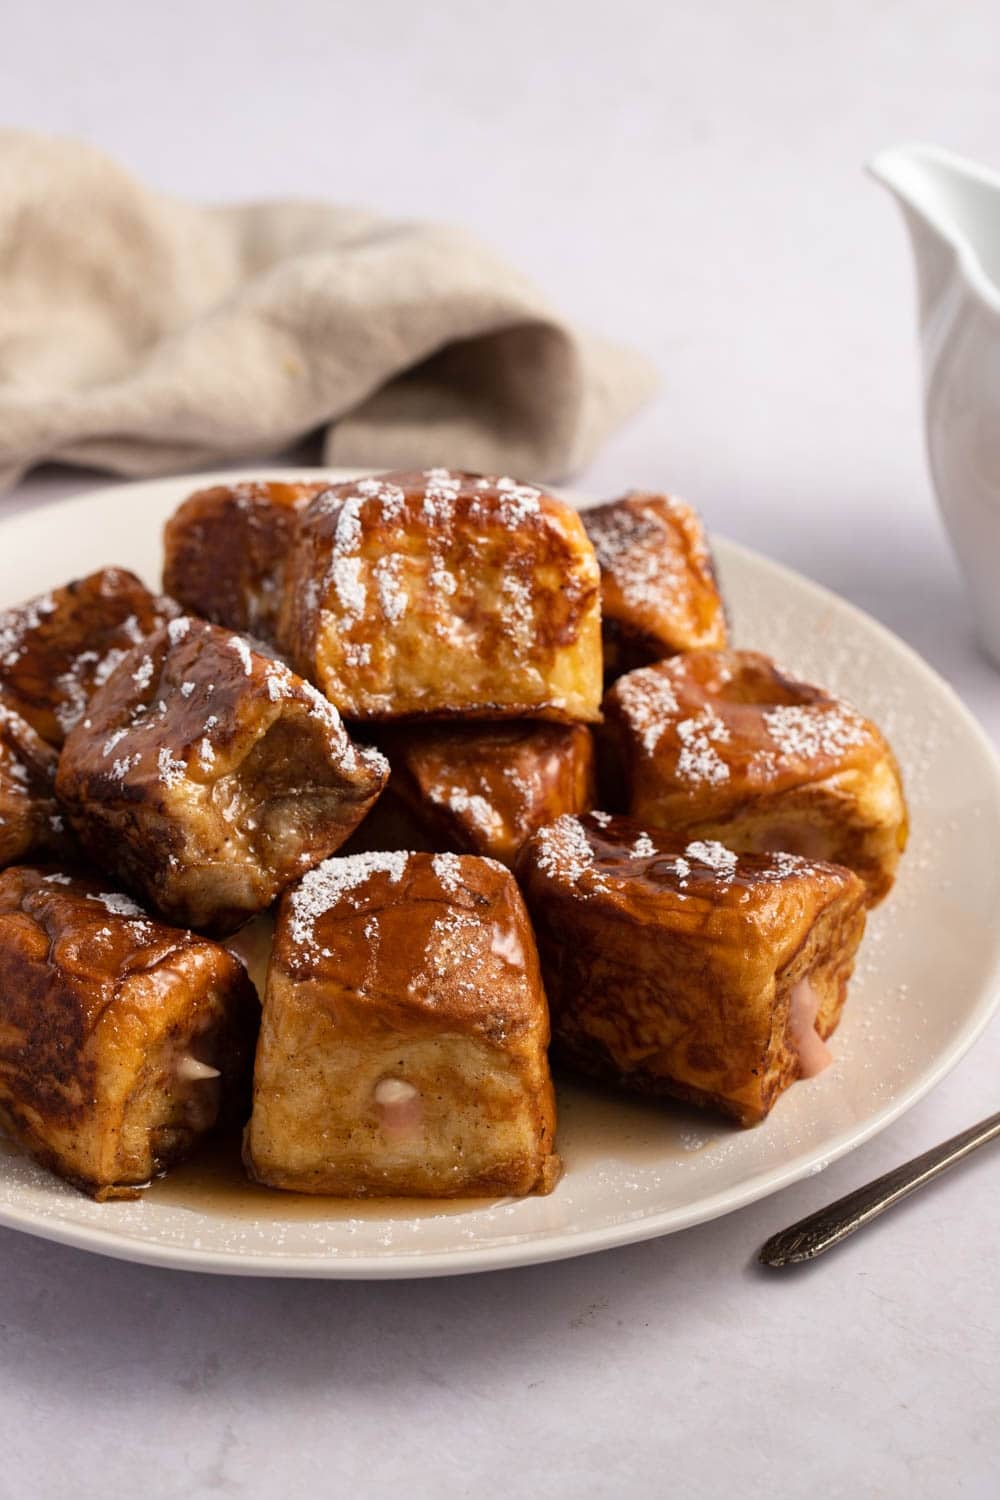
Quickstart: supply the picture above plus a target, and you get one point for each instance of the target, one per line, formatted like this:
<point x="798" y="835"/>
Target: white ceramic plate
<point x="927" y="982"/>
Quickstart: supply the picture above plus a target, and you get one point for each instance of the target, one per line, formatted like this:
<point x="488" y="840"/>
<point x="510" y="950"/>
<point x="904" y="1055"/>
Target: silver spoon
<point x="828" y="1226"/>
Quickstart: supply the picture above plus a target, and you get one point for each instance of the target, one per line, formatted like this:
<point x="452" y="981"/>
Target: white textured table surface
<point x="687" y="177"/>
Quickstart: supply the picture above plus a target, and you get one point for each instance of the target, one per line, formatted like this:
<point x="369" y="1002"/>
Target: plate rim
<point x="558" y="1245"/>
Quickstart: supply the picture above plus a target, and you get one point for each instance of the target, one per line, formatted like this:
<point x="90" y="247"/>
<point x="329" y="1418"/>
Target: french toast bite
<point x="122" y="1041"/>
<point x="225" y="550"/>
<point x="443" y="594"/>
<point x="55" y="651"/>
<point x="207" y="777"/>
<point x="403" y="1041"/>
<point x="29" y="814"/>
<point x="723" y="744"/>
<point x="485" y="788"/>
<point x="681" y="968"/>
<point x="659" y="593"/>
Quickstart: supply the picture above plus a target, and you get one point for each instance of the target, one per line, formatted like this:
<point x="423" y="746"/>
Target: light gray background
<point x="687" y="177"/>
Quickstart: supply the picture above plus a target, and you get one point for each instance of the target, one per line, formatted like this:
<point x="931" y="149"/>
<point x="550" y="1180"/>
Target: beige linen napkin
<point x="143" y="334"/>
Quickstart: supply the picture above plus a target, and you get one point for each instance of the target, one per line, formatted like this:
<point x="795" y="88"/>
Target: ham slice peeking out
<point x="400" y="1112"/>
<point x="814" y="1054"/>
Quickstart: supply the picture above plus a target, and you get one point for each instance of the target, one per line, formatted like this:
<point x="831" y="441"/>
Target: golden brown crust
<point x="486" y="788"/>
<point x="441" y="594"/>
<point x="225" y="552"/>
<point x="97" y="1004"/>
<point x="670" y="966"/>
<point x="29" y="814"/>
<point x="427" y="906"/>
<point x="417" y="972"/>
<point x="56" y="650"/>
<point x="208" y="777"/>
<point x="723" y="744"/>
<point x="659" y="592"/>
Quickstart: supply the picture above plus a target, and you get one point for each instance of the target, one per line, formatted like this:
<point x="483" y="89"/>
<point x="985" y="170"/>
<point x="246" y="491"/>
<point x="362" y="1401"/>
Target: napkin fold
<point x="143" y="334"/>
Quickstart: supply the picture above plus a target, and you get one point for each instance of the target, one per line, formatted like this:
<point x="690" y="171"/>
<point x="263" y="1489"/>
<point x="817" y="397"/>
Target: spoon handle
<point x="828" y="1226"/>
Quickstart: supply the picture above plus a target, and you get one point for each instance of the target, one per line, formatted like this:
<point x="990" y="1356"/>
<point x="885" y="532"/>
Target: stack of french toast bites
<point x="503" y="782"/>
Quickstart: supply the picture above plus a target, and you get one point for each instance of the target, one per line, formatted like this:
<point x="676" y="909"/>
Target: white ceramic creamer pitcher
<point x="952" y="211"/>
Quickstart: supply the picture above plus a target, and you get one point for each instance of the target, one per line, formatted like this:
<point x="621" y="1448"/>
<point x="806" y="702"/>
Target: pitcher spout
<point x="952" y="211"/>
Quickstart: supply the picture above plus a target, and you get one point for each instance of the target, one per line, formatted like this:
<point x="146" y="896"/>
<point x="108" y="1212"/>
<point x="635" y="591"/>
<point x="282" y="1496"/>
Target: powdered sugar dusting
<point x="374" y="760"/>
<point x="106" y="665"/>
<point x="439" y="578"/>
<point x="89" y="667"/>
<point x="469" y="805"/>
<point x="563" y="852"/>
<point x="348" y="585"/>
<point x="669" y="864"/>
<point x="321" y="888"/>
<point x="448" y="869"/>
<point x="699" y="761"/>
<point x="783" y="864"/>
<point x="320" y="706"/>
<point x="124" y="907"/>
<point x="117" y="904"/>
<point x="441" y="489"/>
<point x="279" y="682"/>
<point x="805" y="732"/>
<point x="73" y="694"/>
<point x="143" y="674"/>
<point x="112" y="740"/>
<point x="644" y="847"/>
<point x="347" y="531"/>
<point x="171" y="771"/>
<point x="392" y="595"/>
<point x="456" y="954"/>
<point x="346" y="573"/>
<point x="238" y="644"/>
<point x="15" y="625"/>
<point x="124" y="764"/>
<point x="518" y="609"/>
<point x="391" y="499"/>
<point x="518" y="502"/>
<point x="649" y="701"/>
<point x="653" y="548"/>
<point x="720" y="860"/>
<point x="357" y="653"/>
